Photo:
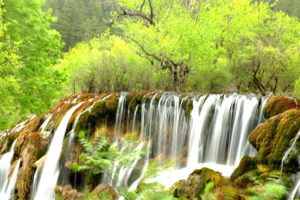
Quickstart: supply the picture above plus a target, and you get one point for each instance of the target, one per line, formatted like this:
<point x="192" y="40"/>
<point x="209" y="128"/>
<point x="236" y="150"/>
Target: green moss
<point x="60" y="113"/>
<point x="111" y="104"/>
<point x="208" y="175"/>
<point x="189" y="107"/>
<point x="273" y="138"/>
<point x="246" y="164"/>
<point x="178" y="189"/>
<point x="277" y="104"/>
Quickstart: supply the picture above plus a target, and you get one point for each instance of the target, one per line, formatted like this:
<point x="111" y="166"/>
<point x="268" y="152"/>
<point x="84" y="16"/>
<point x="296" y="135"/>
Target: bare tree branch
<point x="139" y="14"/>
<point x="151" y="10"/>
<point x="141" y="9"/>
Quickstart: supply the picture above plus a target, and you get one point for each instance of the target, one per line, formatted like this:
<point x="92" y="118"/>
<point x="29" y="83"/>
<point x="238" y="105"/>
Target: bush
<point x="109" y="64"/>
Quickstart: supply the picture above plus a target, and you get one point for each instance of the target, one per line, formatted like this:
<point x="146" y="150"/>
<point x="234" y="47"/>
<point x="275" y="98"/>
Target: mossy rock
<point x="6" y="141"/>
<point x="28" y="154"/>
<point x="188" y="107"/>
<point x="246" y="164"/>
<point x="277" y="104"/>
<point x="273" y="138"/>
<point x="111" y="104"/>
<point x="60" y="113"/>
<point x="196" y="182"/>
<point x="178" y="188"/>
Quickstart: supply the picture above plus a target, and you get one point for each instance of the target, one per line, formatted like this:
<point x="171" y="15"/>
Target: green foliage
<point x="79" y="21"/>
<point x="9" y="65"/>
<point x="147" y="191"/>
<point x="207" y="192"/>
<point x="268" y="191"/>
<point x="108" y="64"/>
<point x="102" y="157"/>
<point x="219" y="41"/>
<point x="102" y="196"/>
<point x="297" y="88"/>
<point x="58" y="197"/>
<point x="291" y="7"/>
<point x="29" y="49"/>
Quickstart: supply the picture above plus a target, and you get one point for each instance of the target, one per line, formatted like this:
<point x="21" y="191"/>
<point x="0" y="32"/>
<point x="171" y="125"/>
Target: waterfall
<point x="120" y="114"/>
<point x="295" y="193"/>
<point x="45" y="123"/>
<point x="7" y="192"/>
<point x="213" y="133"/>
<point x="216" y="149"/>
<point x="50" y="171"/>
<point x="6" y="185"/>
<point x="290" y="149"/>
<point x="199" y="122"/>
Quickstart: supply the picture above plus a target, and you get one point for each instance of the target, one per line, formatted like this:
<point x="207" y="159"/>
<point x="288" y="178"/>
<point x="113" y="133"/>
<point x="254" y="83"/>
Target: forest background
<point x="57" y="47"/>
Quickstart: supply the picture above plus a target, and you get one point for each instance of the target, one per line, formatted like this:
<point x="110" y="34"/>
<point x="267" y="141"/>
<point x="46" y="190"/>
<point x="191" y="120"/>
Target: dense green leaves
<point x="8" y="81"/>
<point x="200" y="46"/>
<point x="102" y="157"/>
<point x="79" y="21"/>
<point x="29" y="83"/>
<point x="109" y="64"/>
<point x="218" y="41"/>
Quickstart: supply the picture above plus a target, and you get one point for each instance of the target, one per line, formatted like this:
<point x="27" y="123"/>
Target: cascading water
<point x="214" y="135"/>
<point x="7" y="191"/>
<point x="6" y="185"/>
<point x="295" y="192"/>
<point x="50" y="171"/>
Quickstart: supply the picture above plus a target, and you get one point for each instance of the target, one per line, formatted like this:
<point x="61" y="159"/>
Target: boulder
<point x="67" y="192"/>
<point x="274" y="137"/>
<point x="246" y="164"/>
<point x="194" y="186"/>
<point x="277" y="104"/>
<point x="28" y="156"/>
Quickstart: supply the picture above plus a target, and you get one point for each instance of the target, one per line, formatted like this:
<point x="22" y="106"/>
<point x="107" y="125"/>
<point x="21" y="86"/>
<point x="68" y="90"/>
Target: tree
<point x="109" y="64"/>
<point x="9" y="64"/>
<point x="78" y="20"/>
<point x="153" y="18"/>
<point x="38" y="49"/>
<point x="207" y="45"/>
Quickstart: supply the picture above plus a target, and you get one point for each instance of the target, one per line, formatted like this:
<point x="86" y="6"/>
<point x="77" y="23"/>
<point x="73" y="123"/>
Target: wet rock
<point x="30" y="127"/>
<point x="274" y="137"/>
<point x="39" y="163"/>
<point x="246" y="164"/>
<point x="178" y="188"/>
<point x="104" y="189"/>
<point x="59" y="114"/>
<point x="28" y="156"/>
<point x="277" y="104"/>
<point x="6" y="141"/>
<point x="111" y="103"/>
<point x="67" y="192"/>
